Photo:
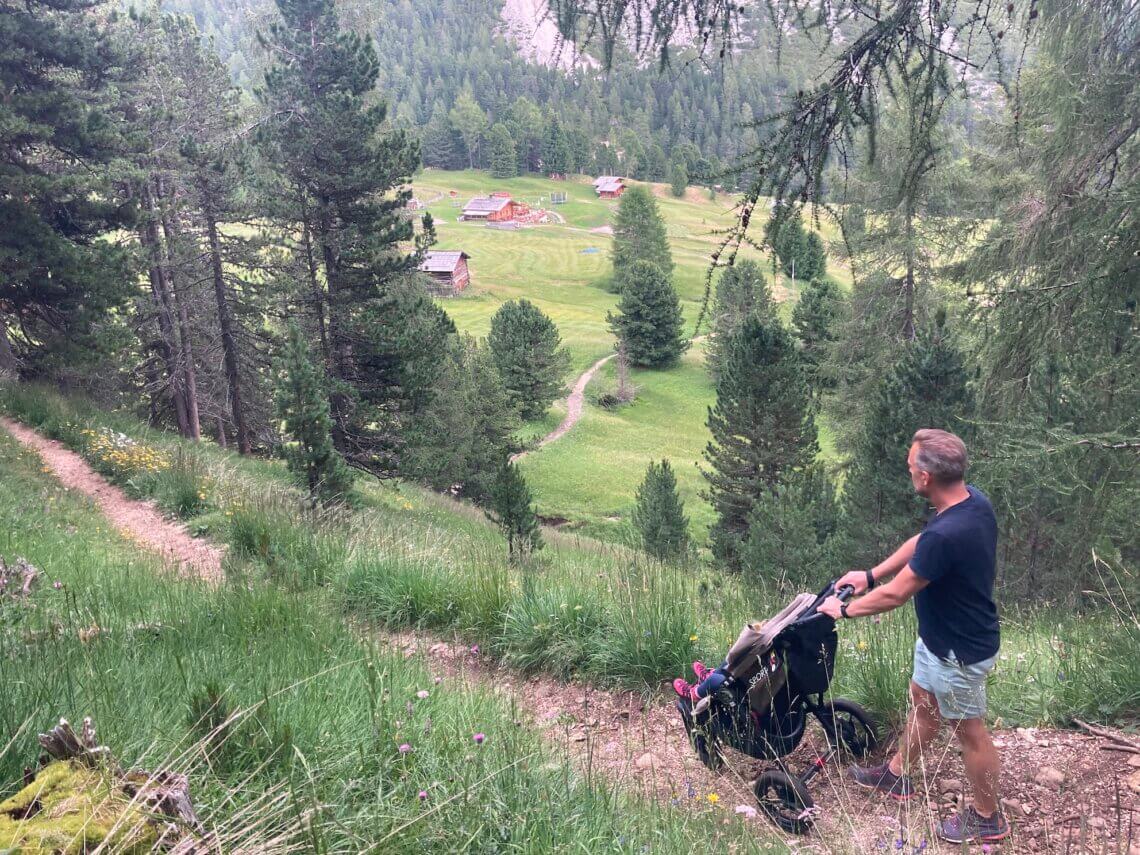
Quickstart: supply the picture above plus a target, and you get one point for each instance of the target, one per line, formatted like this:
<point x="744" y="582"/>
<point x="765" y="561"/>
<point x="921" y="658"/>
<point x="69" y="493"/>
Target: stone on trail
<point x="949" y="785"/>
<point x="648" y="760"/>
<point x="1048" y="776"/>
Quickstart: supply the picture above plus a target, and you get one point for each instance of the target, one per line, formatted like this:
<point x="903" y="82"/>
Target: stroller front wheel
<point x="786" y="801"/>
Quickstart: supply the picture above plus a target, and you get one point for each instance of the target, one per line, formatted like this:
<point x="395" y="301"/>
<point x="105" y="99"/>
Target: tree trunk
<point x="229" y="345"/>
<point x="189" y="371"/>
<point x="9" y="364"/>
<point x="908" y="279"/>
<point x="315" y="286"/>
<point x="337" y="341"/>
<point x="222" y="441"/>
<point x="168" y="347"/>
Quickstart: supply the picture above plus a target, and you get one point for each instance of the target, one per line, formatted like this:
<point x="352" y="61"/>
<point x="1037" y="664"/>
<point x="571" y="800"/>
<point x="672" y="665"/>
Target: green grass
<point x="262" y="693"/>
<point x="410" y="558"/>
<point x="590" y="476"/>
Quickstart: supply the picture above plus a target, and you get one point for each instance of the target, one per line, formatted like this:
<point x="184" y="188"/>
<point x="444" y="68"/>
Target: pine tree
<point x="639" y="234"/>
<point x="348" y="210"/>
<point x="649" y="322"/>
<point x="740" y="293"/>
<point x="791" y="532"/>
<point x="556" y="157"/>
<point x="501" y="153"/>
<point x="815" y="320"/>
<point x="458" y="440"/>
<point x="761" y="425"/>
<point x="926" y="388"/>
<point x="303" y="407"/>
<point x="678" y="178"/>
<point x="527" y="350"/>
<point x="512" y="511"/>
<point x="660" y="515"/>
<point x="801" y="254"/>
<point x="468" y="118"/>
<point x="63" y="70"/>
<point x="815" y="258"/>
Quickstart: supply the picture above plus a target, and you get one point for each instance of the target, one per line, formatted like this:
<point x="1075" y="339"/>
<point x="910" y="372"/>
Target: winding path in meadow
<point x="636" y="741"/>
<point x="142" y="522"/>
<point x="574" y="403"/>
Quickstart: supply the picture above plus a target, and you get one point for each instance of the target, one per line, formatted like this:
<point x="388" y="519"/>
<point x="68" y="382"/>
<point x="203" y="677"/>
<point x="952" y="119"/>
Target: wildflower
<point x="405" y="748"/>
<point x="692" y="638"/>
<point x="713" y="798"/>
<point x="746" y="811"/>
<point x="479" y="737"/>
<point x="475" y="649"/>
<point x="423" y="795"/>
<point x="58" y="585"/>
<point x="422" y="694"/>
<point x="986" y="848"/>
<point x="438" y="680"/>
<point x="862" y="645"/>
<point x="899" y="844"/>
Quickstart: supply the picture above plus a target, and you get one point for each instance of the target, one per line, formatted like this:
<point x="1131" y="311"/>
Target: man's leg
<point x="922" y="724"/>
<point x="982" y="764"/>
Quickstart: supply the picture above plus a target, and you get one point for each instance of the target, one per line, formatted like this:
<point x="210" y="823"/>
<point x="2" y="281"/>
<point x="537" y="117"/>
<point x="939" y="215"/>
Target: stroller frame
<point x="806" y="649"/>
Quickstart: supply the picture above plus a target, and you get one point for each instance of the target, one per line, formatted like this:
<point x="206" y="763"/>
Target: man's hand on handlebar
<point x="857" y="579"/>
<point x="831" y="607"/>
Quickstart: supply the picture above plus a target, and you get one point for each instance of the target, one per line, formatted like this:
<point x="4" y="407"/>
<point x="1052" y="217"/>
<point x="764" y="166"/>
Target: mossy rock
<point x="72" y="808"/>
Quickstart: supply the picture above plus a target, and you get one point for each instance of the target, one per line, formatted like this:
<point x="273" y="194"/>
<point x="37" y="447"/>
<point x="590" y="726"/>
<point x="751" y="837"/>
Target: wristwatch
<point x="843" y="610"/>
<point x="870" y="580"/>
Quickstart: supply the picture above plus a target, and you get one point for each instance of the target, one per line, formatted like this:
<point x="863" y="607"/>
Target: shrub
<point x="660" y="515"/>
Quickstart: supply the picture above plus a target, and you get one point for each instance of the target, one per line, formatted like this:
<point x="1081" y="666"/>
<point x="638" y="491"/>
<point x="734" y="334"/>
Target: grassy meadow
<point x="590" y="476"/>
<point x="406" y="557"/>
<point x="297" y="733"/>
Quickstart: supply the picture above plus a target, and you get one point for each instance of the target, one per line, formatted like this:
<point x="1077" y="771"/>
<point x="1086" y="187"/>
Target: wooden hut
<point x="447" y="269"/>
<point x="495" y="208"/>
<point x="609" y="186"/>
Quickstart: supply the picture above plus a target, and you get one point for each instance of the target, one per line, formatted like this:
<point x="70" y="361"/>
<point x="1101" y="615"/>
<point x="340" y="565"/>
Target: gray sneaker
<point x="881" y="778"/>
<point x="969" y="826"/>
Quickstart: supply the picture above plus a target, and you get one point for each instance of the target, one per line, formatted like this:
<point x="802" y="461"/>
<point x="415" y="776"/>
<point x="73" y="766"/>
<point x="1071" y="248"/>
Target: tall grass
<point x="297" y="735"/>
<point x="409" y="558"/>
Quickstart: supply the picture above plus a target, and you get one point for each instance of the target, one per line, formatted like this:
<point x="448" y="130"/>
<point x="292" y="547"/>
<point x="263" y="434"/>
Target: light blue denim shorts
<point x="960" y="689"/>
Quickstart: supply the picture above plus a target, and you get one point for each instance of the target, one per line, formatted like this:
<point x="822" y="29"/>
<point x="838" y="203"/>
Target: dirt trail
<point x="1091" y="806"/>
<point x="140" y="520"/>
<point x="574" y="402"/>
<point x="639" y="743"/>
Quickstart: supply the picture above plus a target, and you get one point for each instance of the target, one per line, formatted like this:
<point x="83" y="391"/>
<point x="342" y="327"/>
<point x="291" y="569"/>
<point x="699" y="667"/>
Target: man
<point x="949" y="571"/>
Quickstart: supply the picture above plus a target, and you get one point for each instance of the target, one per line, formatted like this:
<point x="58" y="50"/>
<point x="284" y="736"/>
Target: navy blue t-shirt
<point x="956" y="553"/>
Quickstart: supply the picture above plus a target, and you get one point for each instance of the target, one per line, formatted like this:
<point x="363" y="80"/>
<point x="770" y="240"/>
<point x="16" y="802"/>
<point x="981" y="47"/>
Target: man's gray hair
<point x="942" y="454"/>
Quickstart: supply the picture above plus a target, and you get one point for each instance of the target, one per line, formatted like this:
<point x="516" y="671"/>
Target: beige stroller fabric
<point x="756" y="640"/>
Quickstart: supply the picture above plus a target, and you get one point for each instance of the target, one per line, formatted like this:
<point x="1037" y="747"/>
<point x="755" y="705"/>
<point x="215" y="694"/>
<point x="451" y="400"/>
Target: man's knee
<point x="972" y="733"/>
<point x="923" y="700"/>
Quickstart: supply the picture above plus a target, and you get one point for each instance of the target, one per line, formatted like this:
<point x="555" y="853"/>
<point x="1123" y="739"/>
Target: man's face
<point x="918" y="477"/>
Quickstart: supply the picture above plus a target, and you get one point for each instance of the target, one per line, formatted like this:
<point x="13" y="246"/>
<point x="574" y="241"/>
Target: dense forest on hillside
<point x="242" y="265"/>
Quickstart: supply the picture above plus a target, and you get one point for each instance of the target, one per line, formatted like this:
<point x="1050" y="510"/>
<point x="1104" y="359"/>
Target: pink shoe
<point x="701" y="670"/>
<point x="682" y="688"/>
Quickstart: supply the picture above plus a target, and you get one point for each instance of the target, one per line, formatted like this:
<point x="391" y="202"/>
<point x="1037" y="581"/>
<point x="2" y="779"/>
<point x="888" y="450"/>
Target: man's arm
<point x="893" y="594"/>
<point x="885" y="569"/>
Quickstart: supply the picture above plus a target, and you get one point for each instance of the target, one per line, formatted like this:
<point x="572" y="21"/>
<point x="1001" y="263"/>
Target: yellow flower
<point x="692" y="638"/>
<point x="862" y="645"/>
<point x="713" y="798"/>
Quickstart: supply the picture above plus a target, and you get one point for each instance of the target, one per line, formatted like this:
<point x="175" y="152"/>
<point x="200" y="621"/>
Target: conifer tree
<point x="815" y="258"/>
<point x="649" y="322"/>
<point x="801" y="253"/>
<point x="926" y="388"/>
<point x="501" y="153"/>
<point x="639" y="234"/>
<point x="678" y="178"/>
<point x="792" y="532"/>
<point x="303" y="407"/>
<point x="320" y="94"/>
<point x="556" y="149"/>
<point x="815" y="320"/>
<point x="741" y="292"/>
<point x="659" y="515"/>
<point x="527" y="350"/>
<point x="512" y="510"/>
<point x="469" y="119"/>
<point x="761" y="425"/>
<point x="63" y="71"/>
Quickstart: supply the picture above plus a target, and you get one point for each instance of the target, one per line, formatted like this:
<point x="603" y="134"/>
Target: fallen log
<point x="1103" y="733"/>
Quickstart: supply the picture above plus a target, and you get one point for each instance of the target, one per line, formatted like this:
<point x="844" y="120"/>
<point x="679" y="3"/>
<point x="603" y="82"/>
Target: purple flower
<point x="57" y="585"/>
<point x="479" y="737"/>
<point x="423" y="795"/>
<point x="405" y="748"/>
<point x="475" y="649"/>
<point x="899" y="844"/>
<point x="422" y="694"/>
<point x="438" y="680"/>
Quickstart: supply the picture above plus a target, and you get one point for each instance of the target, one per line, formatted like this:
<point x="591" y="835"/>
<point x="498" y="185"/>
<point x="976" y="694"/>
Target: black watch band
<point x="843" y="610"/>
<point x="870" y="580"/>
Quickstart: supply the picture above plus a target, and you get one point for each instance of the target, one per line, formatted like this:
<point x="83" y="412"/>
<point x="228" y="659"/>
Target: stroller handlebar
<point x="844" y="593"/>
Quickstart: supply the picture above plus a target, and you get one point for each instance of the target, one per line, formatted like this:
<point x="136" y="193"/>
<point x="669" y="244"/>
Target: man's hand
<point x="857" y="579"/>
<point x="832" y="605"/>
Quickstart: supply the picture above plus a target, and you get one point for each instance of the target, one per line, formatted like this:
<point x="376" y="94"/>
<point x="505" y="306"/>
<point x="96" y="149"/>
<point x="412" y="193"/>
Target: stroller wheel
<point x="849" y="728"/>
<point x="703" y="743"/>
<point x="785" y="800"/>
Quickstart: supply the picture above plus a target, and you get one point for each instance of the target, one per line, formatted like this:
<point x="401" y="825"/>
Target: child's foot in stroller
<point x="684" y="689"/>
<point x="701" y="670"/>
<point x="969" y="826"/>
<point x="883" y="779"/>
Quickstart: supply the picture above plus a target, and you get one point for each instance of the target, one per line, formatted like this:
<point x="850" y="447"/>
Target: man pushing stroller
<point x="949" y="571"/>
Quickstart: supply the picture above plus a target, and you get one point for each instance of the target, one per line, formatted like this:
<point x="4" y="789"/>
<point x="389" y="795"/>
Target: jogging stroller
<point x="778" y="674"/>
